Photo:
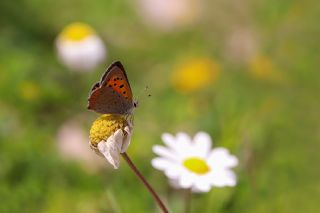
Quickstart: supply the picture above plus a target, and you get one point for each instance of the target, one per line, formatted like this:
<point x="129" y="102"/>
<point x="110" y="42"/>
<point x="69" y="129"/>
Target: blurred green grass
<point x="271" y="125"/>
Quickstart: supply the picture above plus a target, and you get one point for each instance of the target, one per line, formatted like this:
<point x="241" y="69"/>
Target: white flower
<point x="241" y="45"/>
<point x="117" y="143"/>
<point x="192" y="164"/>
<point x="71" y="144"/>
<point x="169" y="14"/>
<point x="79" y="47"/>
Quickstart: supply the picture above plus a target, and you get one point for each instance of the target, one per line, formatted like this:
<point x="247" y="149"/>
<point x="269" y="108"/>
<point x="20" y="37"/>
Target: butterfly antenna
<point x="144" y="91"/>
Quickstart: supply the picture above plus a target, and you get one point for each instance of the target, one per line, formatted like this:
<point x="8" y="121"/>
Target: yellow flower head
<point x="195" y="74"/>
<point x="109" y="136"/>
<point x="103" y="127"/>
<point x="76" y="32"/>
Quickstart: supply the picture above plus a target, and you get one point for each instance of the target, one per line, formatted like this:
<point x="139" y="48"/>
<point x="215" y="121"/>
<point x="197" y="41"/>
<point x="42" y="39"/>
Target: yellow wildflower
<point x="195" y="74"/>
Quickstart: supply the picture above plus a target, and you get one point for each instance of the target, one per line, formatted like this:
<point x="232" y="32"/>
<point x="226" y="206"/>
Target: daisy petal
<point x="224" y="178"/>
<point x="110" y="152"/>
<point x="126" y="140"/>
<point x="173" y="172"/>
<point x="117" y="137"/>
<point x="220" y="158"/>
<point x="169" y="140"/>
<point x="184" y="146"/>
<point x="202" y="144"/>
<point x="164" y="152"/>
<point x="183" y="139"/>
<point x="186" y="180"/>
<point x="160" y="163"/>
<point x="202" y="186"/>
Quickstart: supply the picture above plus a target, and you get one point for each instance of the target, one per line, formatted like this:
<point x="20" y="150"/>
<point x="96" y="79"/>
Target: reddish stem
<point x="145" y="182"/>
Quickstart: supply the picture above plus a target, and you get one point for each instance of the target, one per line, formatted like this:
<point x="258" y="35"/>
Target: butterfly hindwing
<point x="112" y="95"/>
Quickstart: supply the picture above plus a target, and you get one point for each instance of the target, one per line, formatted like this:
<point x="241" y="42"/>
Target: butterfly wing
<point x="112" y="95"/>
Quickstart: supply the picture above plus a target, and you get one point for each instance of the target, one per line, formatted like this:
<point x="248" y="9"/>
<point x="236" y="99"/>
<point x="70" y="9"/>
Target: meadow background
<point x="261" y="101"/>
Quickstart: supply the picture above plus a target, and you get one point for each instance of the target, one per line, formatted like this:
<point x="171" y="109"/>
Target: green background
<point x="271" y="126"/>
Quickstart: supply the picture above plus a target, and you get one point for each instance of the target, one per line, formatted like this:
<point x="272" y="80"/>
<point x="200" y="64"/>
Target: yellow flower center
<point x="196" y="165"/>
<point x="76" y="32"/>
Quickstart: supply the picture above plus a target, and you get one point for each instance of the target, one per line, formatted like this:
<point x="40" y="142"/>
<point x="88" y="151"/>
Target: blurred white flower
<point x="72" y="144"/>
<point x="193" y="164"/>
<point x="169" y="14"/>
<point x="79" y="47"/>
<point x="241" y="45"/>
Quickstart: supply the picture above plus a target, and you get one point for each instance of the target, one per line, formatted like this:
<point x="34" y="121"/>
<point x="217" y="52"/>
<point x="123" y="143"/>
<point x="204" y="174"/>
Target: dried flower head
<point x="110" y="135"/>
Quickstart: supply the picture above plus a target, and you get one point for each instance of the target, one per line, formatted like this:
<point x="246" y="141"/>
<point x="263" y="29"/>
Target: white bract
<point x="80" y="48"/>
<point x="117" y="143"/>
<point x="193" y="164"/>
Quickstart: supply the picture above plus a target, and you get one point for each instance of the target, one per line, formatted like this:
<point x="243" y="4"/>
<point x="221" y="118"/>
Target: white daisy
<point x="79" y="47"/>
<point x="193" y="164"/>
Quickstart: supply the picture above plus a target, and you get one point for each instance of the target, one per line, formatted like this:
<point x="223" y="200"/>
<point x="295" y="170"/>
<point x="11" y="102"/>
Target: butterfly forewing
<point x="113" y="94"/>
<point x="118" y="81"/>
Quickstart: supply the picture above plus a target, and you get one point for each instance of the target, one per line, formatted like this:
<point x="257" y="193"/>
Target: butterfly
<point x="112" y="95"/>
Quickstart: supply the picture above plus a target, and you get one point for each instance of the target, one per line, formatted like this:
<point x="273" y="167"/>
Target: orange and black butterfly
<point x="112" y="95"/>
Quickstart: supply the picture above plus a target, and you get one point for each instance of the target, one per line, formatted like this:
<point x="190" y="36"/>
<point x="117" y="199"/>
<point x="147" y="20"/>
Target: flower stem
<point x="145" y="183"/>
<point x="187" y="200"/>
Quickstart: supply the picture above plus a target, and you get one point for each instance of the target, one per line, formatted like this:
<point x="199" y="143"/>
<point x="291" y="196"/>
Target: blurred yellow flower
<point x="29" y="91"/>
<point x="195" y="74"/>
<point x="261" y="67"/>
<point x="110" y="135"/>
<point x="79" y="47"/>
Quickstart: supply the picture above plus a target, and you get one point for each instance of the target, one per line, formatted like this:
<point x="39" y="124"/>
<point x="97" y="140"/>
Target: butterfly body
<point x="112" y="94"/>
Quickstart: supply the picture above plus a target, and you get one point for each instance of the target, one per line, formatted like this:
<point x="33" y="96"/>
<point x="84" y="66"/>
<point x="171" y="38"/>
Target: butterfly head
<point x="135" y="104"/>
